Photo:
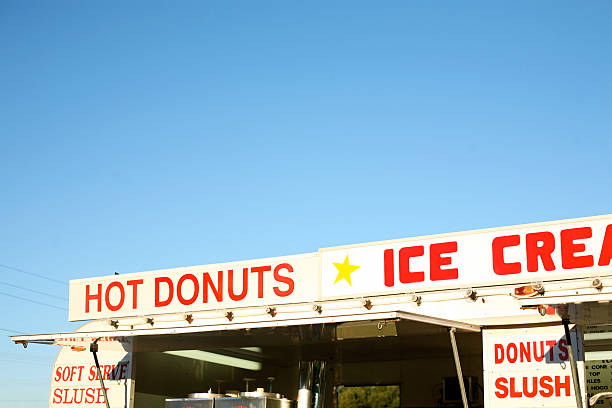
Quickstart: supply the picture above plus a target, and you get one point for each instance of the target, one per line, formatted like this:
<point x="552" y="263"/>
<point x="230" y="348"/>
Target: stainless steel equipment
<point x="260" y="393"/>
<point x="195" y="400"/>
<point x="255" y="399"/>
<point x="190" y="403"/>
<point x="205" y="395"/>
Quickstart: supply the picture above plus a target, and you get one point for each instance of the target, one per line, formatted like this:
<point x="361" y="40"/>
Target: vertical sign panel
<point x="530" y="367"/>
<point x="75" y="381"/>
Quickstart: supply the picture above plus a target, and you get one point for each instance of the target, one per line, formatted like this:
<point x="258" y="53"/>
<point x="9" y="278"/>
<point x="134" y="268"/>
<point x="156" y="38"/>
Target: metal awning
<point x="64" y="338"/>
<point x="84" y="336"/>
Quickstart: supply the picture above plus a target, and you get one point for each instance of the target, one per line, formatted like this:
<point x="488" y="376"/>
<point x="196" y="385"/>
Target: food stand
<point x="505" y="317"/>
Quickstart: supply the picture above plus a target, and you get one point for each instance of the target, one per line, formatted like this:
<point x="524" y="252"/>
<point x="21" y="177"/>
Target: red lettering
<point x="66" y="374"/>
<point x="502" y="389"/>
<point x="58" y="374"/>
<point x="57" y="396"/>
<point x="499" y="353"/>
<point x="179" y="289"/>
<point x="80" y="400"/>
<point x="107" y="369"/>
<point x="546" y="388"/>
<point x="436" y="261"/>
<point x="109" y="305"/>
<point x="514" y="393"/>
<point x="92" y="374"/>
<point x="540" y="245"/>
<point x="535" y="351"/>
<point x="283" y="279"/>
<point x="100" y="399"/>
<point x="259" y="270"/>
<point x="389" y="268"/>
<point x="405" y="275"/>
<point x="562" y="385"/>
<point x="512" y="349"/>
<point x="123" y="373"/>
<point x="500" y="266"/>
<point x="167" y="281"/>
<point x="89" y="396"/>
<point x="606" y="248"/>
<point x="217" y="290"/>
<point x="525" y="351"/>
<point x="66" y="393"/>
<point x="563" y="356"/>
<point x="569" y="248"/>
<point x="551" y="344"/>
<point x="245" y="284"/>
<point x="532" y="393"/>
<point x="114" y="373"/>
<point x="134" y="284"/>
<point x="97" y="296"/>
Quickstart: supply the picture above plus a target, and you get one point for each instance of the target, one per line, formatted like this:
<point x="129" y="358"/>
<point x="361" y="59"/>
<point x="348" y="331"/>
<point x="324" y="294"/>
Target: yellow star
<point x="344" y="271"/>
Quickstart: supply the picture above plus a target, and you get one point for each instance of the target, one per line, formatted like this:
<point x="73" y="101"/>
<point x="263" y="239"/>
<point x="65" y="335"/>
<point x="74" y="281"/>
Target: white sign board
<point x="529" y="367"/>
<point x="269" y="281"/>
<point x="535" y="252"/>
<point x="75" y="381"/>
<point x="500" y="256"/>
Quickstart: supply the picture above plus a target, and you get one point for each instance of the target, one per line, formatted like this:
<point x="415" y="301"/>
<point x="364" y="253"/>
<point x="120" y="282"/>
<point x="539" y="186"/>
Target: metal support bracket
<point x="570" y="350"/>
<point x="451" y="333"/>
<point x="93" y="347"/>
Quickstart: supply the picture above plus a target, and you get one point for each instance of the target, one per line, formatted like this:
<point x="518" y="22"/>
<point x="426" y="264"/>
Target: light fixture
<point x="539" y="287"/>
<point x="597" y="284"/>
<point x="229" y="315"/>
<point x="189" y="318"/>
<point x="534" y="289"/>
<point x="415" y="298"/>
<point x="271" y="311"/>
<point x="150" y="321"/>
<point x="114" y="323"/>
<point x="470" y="294"/>
<point x="367" y="303"/>
<point x="544" y="310"/>
<point x="317" y="308"/>
<point x="217" y="359"/>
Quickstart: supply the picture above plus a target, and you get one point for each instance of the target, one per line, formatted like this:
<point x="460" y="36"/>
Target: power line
<point x="12" y="268"/>
<point x="33" y="301"/>
<point x="25" y="400"/>
<point x="11" y="331"/>
<point x="32" y="290"/>
<point x="23" y="362"/>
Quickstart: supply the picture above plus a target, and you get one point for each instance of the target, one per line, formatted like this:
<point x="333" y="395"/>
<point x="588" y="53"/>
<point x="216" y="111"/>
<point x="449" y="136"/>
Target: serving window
<point x="379" y="363"/>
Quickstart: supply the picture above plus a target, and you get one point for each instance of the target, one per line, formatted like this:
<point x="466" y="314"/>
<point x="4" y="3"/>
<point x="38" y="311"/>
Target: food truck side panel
<point x="75" y="382"/>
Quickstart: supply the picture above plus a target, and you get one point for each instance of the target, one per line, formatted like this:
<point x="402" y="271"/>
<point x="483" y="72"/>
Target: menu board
<point x="598" y="380"/>
<point x="598" y="352"/>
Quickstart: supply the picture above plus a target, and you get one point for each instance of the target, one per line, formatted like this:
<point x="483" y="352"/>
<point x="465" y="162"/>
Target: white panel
<point x="75" y="382"/>
<point x="274" y="281"/>
<point x="529" y="367"/>
<point x="578" y="246"/>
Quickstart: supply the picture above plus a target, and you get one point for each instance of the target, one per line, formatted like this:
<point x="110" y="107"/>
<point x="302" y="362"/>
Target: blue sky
<point x="145" y="135"/>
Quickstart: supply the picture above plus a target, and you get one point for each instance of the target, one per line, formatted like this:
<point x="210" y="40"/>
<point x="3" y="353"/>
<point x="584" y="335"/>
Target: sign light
<point x="217" y="359"/>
